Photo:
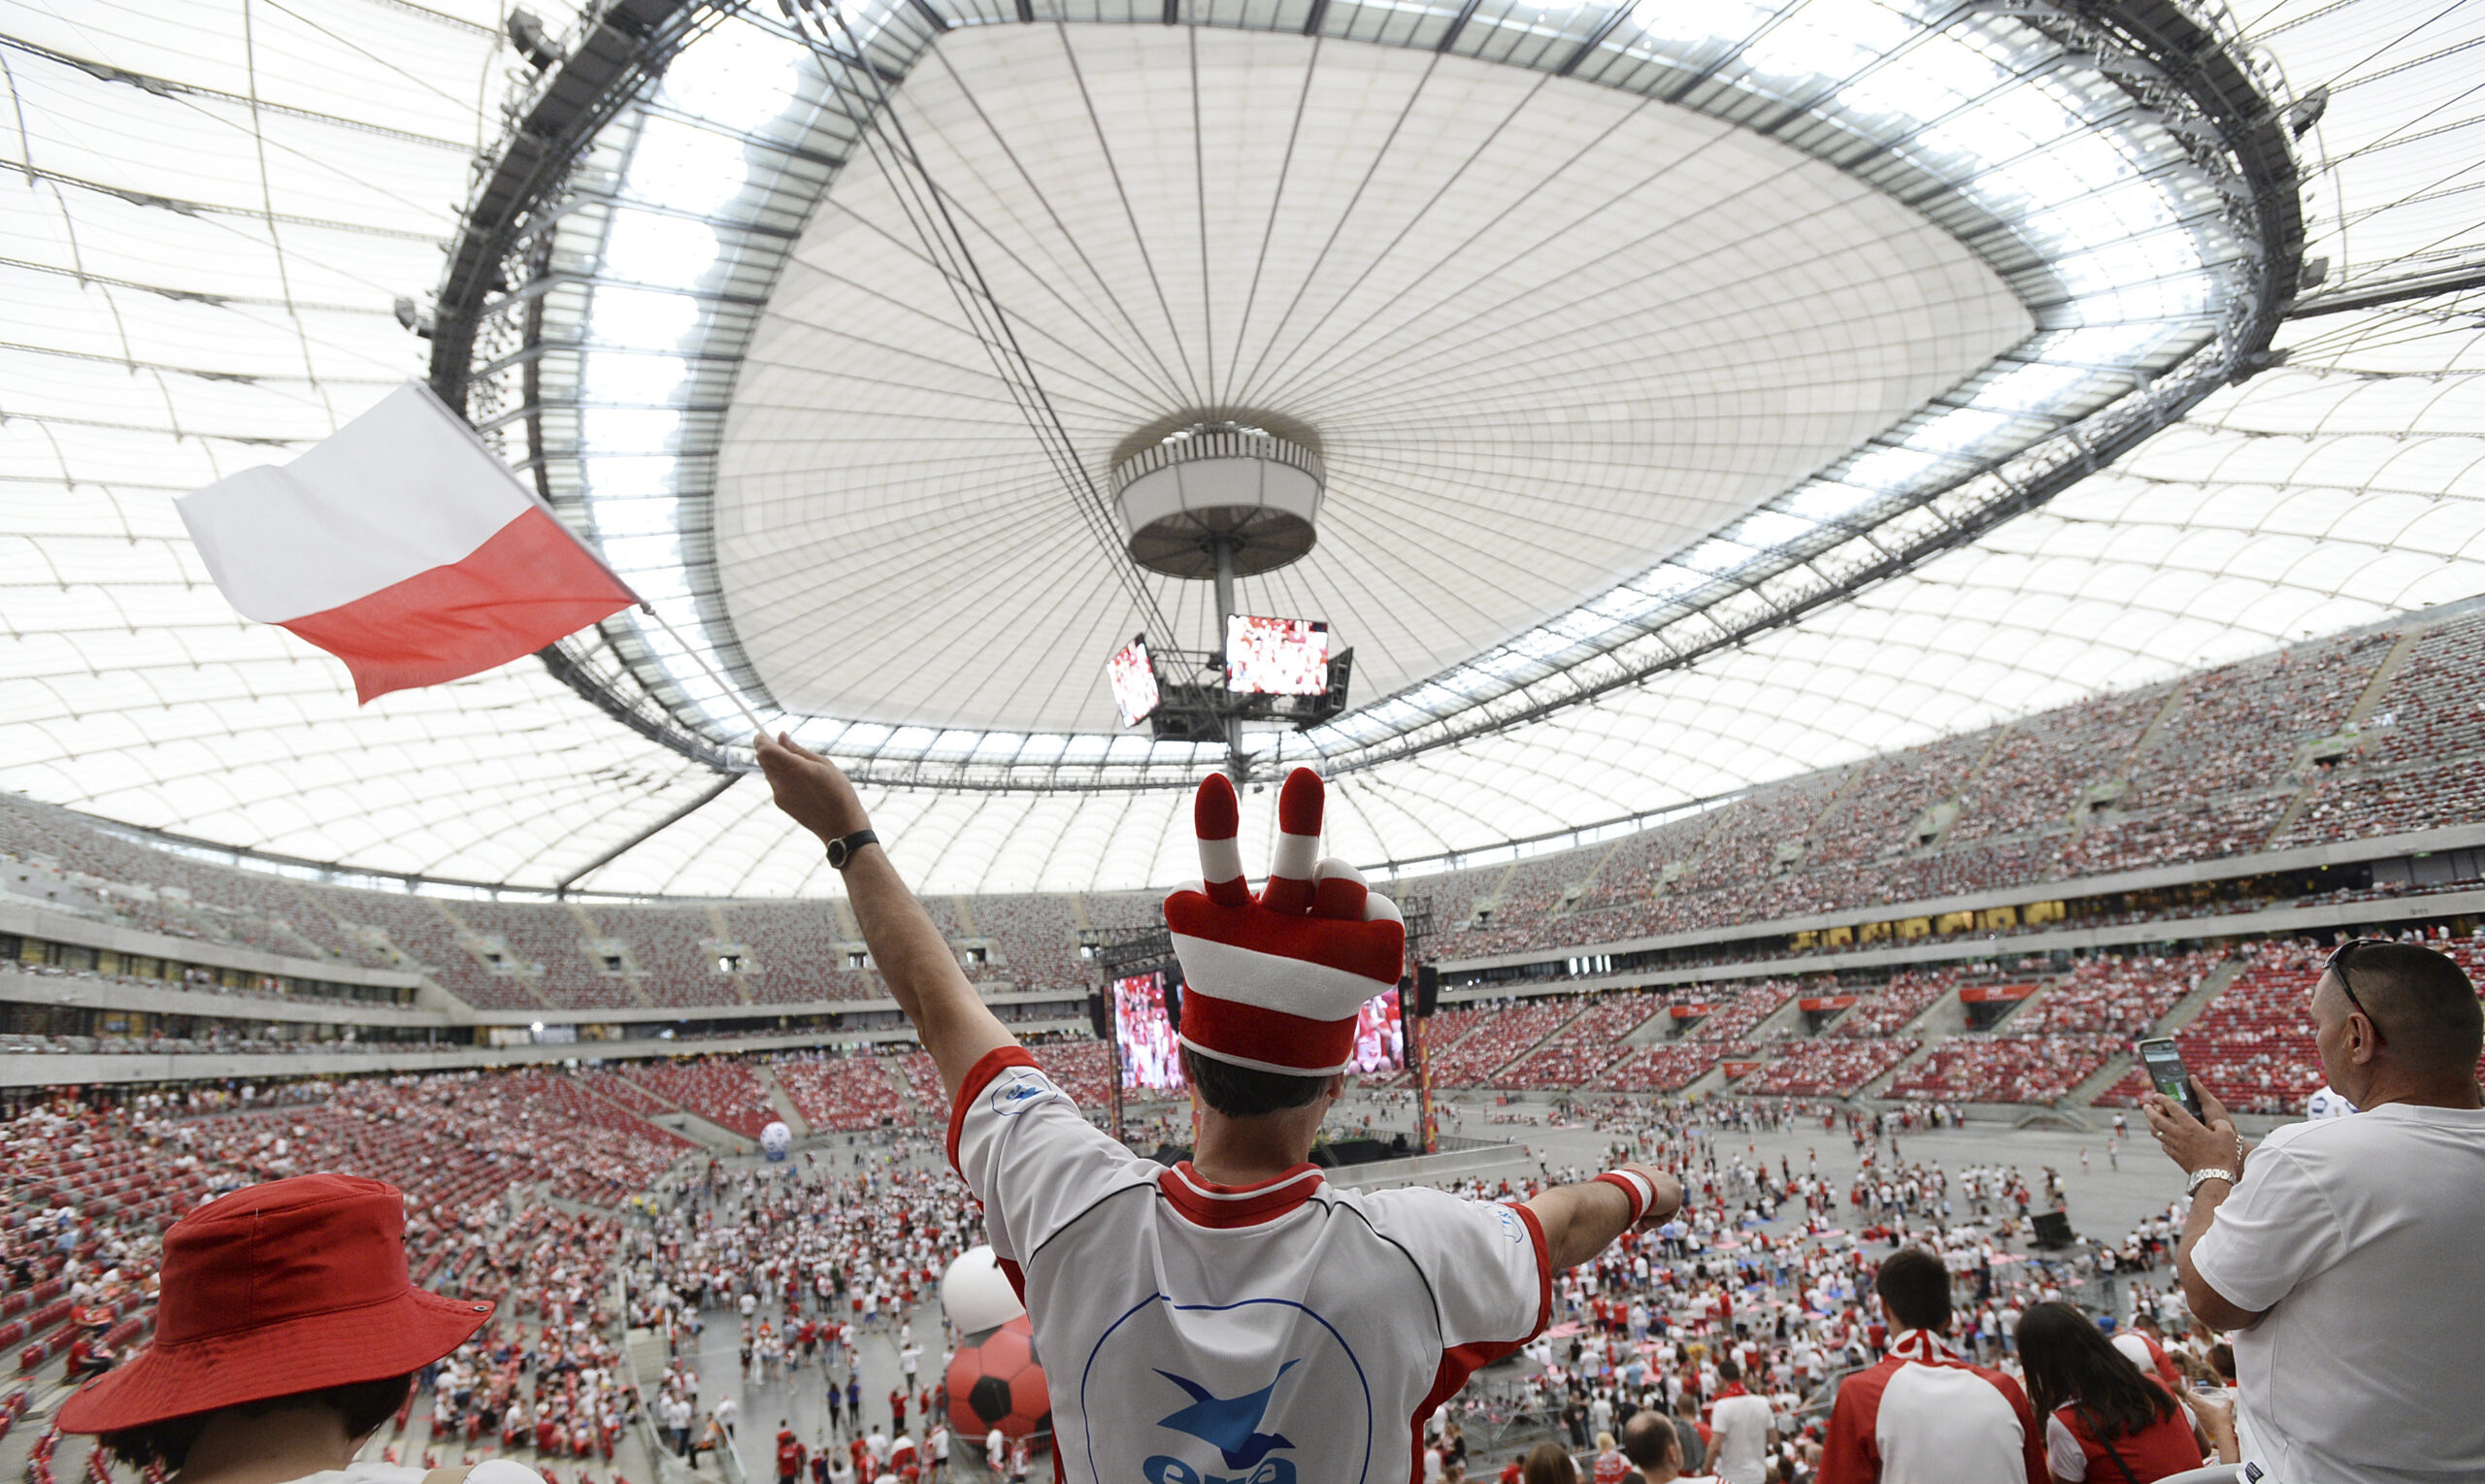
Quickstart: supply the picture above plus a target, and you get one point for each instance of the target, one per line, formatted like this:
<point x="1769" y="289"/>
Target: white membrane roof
<point x="207" y="211"/>
<point x="1547" y="333"/>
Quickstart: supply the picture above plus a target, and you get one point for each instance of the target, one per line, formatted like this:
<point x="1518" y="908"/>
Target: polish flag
<point x="402" y="546"/>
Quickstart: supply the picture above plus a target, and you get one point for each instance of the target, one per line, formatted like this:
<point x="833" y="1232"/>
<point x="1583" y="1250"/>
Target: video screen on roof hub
<point x="1132" y="680"/>
<point x="1275" y="656"/>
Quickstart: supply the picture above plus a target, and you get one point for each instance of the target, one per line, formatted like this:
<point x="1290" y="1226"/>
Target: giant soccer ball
<point x="975" y="1294"/>
<point x="995" y="1382"/>
<point x="775" y="1140"/>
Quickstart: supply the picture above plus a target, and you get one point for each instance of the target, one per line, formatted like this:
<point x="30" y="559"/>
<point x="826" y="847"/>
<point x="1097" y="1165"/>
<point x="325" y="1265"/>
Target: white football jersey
<point x="1198" y="1333"/>
<point x="2326" y="1102"/>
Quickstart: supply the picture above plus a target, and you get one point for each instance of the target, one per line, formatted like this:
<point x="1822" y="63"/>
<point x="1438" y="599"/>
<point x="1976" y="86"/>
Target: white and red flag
<point x="404" y="547"/>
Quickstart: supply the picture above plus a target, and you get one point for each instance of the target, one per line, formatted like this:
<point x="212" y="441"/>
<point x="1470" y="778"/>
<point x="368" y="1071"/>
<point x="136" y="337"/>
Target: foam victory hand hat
<point x="1274" y="981"/>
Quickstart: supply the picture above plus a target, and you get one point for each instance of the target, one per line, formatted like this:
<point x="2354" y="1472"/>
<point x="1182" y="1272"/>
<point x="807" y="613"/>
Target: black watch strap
<point x="841" y="852"/>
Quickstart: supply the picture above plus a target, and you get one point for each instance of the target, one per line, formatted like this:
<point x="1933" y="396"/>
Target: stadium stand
<point x="1890" y="1008"/>
<point x="1585" y="1048"/>
<point x="723" y="1091"/>
<point x="2219" y="765"/>
<point x="674" y="948"/>
<point x="797" y="953"/>
<point x="1827" y="1067"/>
<point x="1660" y="1069"/>
<point x="2005" y="1067"/>
<point x="1037" y="938"/>
<point x="1083" y="1068"/>
<point x="840" y="1093"/>
<point x="1490" y="1037"/>
<point x="2109" y="993"/>
<point x="1753" y="1003"/>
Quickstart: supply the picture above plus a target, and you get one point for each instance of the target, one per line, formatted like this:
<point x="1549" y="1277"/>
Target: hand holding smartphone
<point x="2162" y="1061"/>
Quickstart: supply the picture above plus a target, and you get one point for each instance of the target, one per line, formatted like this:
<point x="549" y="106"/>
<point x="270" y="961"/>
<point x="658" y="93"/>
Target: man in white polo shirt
<point x="1234" y="1317"/>
<point x="1740" y="1426"/>
<point x="2349" y="1256"/>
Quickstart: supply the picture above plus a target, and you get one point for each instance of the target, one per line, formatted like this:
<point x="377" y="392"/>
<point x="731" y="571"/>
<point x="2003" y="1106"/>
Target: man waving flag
<point x="1234" y="1319"/>
<point x="404" y="547"/>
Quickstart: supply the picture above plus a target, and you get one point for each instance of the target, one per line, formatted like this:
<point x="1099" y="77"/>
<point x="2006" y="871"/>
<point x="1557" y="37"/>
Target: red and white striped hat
<point x="1274" y="981"/>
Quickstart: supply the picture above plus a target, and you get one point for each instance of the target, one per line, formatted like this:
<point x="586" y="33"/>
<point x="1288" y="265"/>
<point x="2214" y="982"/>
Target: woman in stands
<point x="287" y="1333"/>
<point x="2106" y="1421"/>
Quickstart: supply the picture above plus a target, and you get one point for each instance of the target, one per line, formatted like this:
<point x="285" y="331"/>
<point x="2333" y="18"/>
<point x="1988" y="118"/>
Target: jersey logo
<point x="1230" y="1424"/>
<point x="1022" y="1090"/>
<point x="1244" y="1392"/>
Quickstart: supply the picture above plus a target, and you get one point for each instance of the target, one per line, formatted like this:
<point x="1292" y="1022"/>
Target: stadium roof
<point x="1639" y="339"/>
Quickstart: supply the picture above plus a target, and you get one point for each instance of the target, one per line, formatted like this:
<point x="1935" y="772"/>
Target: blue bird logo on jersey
<point x="1231" y="1424"/>
<point x="1023" y="1090"/>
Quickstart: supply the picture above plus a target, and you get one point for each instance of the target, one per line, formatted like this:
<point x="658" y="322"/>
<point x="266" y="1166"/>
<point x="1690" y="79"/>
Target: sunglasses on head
<point x="2336" y="962"/>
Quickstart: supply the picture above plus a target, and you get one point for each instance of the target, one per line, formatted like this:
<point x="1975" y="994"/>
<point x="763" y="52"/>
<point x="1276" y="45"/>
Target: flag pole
<point x="701" y="658"/>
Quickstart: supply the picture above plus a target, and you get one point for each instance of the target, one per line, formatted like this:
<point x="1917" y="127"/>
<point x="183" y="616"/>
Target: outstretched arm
<point x="907" y="948"/>
<point x="1581" y="1221"/>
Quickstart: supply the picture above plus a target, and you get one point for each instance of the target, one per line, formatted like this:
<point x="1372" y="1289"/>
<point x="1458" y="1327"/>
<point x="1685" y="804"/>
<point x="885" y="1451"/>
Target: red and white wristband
<point x="1635" y="1185"/>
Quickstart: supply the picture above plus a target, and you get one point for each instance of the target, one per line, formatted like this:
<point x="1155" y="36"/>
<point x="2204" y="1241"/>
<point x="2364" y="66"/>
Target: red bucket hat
<point x="287" y="1287"/>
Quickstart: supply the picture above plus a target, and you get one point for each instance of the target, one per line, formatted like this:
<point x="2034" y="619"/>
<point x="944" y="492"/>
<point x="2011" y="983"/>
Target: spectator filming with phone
<point x="2347" y="1255"/>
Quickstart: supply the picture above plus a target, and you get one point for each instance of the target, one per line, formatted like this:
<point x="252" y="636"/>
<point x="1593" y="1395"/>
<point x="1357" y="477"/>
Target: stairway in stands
<point x="2180" y="1015"/>
<point x="795" y="1123"/>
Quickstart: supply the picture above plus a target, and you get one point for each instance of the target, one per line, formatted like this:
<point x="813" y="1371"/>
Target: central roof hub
<point x="1235" y="482"/>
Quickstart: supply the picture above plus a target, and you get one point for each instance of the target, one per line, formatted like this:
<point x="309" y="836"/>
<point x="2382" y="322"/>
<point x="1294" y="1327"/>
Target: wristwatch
<point x="2198" y="1175"/>
<point x="841" y="852"/>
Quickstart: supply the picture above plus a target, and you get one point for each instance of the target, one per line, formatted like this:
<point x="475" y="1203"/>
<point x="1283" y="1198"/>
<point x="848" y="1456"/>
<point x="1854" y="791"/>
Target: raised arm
<point x="1582" y="1220"/>
<point x="907" y="948"/>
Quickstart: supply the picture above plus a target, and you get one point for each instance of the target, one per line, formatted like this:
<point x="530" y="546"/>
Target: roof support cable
<point x="884" y="134"/>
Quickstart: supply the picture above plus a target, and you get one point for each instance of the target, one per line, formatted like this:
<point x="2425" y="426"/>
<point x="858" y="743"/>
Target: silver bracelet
<point x="2198" y="1175"/>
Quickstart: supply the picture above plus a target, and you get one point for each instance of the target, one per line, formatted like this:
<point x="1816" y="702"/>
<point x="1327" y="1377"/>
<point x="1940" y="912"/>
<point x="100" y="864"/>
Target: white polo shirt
<point x="1198" y="1333"/>
<point x="1739" y="1441"/>
<point x="2364" y="1239"/>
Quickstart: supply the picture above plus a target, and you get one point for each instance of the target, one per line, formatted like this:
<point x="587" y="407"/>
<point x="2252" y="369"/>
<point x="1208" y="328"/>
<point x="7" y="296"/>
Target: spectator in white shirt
<point x="1738" y="1429"/>
<point x="2347" y="1256"/>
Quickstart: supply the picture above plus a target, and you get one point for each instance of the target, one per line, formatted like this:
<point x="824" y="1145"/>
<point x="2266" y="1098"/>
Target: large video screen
<point x="1275" y="656"/>
<point x="1133" y="681"/>
<point x="1152" y="1054"/>
<point x="1380" y="1035"/>
<point x="1151" y="1057"/>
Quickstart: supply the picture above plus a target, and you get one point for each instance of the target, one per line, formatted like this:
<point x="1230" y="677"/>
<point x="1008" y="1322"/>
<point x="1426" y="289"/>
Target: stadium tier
<point x="1833" y="1066"/>
<point x="841" y="1093"/>
<point x="2326" y="742"/>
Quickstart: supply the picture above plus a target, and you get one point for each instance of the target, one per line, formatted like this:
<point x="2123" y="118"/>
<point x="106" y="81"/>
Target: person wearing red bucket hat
<point x="1233" y="1318"/>
<point x="286" y="1331"/>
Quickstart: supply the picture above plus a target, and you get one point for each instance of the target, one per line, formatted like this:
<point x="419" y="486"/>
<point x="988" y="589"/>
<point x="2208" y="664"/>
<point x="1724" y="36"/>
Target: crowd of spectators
<point x="1829" y="1066"/>
<point x="1735" y="1018"/>
<point x="1887" y="1010"/>
<point x="2007" y="1066"/>
<point x="723" y="1090"/>
<point x="2112" y="993"/>
<point x="2236" y="728"/>
<point x="840" y="1093"/>
<point x="2433" y="708"/>
<point x="1470" y="1044"/>
<point x="1668" y="1066"/>
<point x="2204" y="766"/>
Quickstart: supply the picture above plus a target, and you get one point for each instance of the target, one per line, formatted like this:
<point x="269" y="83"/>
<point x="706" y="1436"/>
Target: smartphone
<point x="2164" y="1063"/>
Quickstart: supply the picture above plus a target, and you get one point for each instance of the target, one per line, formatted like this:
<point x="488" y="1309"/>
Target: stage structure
<point x="1150" y="951"/>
